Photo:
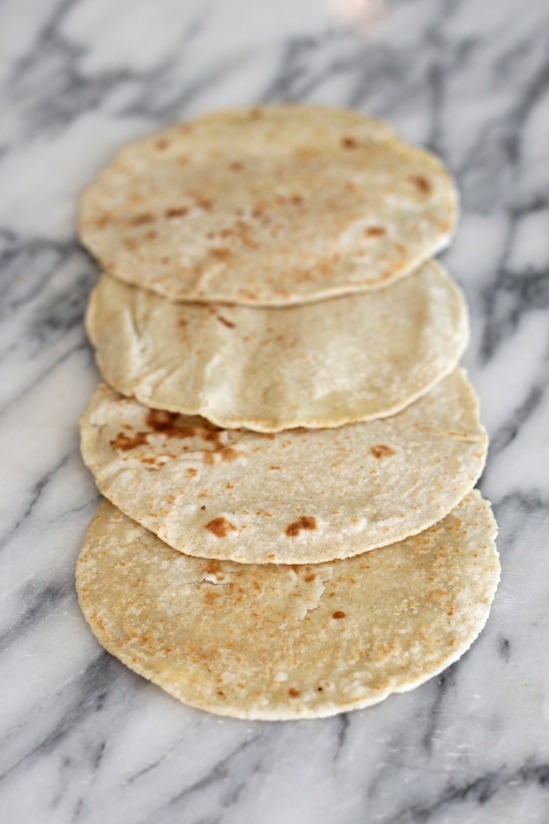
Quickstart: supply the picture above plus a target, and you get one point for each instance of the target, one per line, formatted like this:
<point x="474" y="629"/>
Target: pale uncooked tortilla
<point x="268" y="206"/>
<point x="297" y="497"/>
<point x="325" y="364"/>
<point x="281" y="642"/>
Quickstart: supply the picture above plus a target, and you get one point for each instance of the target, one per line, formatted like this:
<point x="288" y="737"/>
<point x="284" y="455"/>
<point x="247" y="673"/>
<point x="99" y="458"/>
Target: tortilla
<point x="280" y="642"/>
<point x="298" y="497"/>
<point x="268" y="206"/>
<point x="325" y="364"/>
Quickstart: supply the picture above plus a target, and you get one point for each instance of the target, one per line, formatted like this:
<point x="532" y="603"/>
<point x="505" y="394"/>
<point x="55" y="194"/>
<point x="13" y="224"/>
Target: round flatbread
<point x="279" y="642"/>
<point x="324" y="364"/>
<point x="268" y="206"/>
<point x="297" y="497"/>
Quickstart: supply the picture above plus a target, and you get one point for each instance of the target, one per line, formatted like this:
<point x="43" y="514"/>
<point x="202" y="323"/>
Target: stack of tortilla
<point x="286" y="443"/>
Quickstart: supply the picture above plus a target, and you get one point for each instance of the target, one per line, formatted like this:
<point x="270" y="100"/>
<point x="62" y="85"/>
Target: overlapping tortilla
<point x="324" y="364"/>
<point x="268" y="206"/>
<point x="280" y="642"/>
<point x="295" y="497"/>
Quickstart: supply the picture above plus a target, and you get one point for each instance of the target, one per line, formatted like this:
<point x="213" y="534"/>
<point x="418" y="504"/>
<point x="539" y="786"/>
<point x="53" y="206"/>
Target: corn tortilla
<point x="285" y="642"/>
<point x="268" y="206"/>
<point x="301" y="496"/>
<point x="325" y="364"/>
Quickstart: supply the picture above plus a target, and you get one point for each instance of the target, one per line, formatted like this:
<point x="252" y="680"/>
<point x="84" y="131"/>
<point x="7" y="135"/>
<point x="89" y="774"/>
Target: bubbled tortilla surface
<point x="283" y="642"/>
<point x="325" y="364"/>
<point x="295" y="497"/>
<point x="268" y="206"/>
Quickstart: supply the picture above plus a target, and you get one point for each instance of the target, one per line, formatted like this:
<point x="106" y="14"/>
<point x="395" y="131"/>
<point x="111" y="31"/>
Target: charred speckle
<point x="228" y="323"/>
<point x="304" y="522"/>
<point x="125" y="442"/>
<point x="180" y="211"/>
<point x="141" y="220"/>
<point x="381" y="451"/>
<point x="422" y="184"/>
<point x="220" y="527"/>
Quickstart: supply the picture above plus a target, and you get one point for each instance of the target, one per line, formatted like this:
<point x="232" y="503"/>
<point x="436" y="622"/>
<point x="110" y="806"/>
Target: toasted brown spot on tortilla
<point x="213" y="566"/>
<point x="375" y="231"/>
<point x="380" y="450"/>
<point x="160" y="145"/>
<point x="205" y="203"/>
<point x="140" y="220"/>
<point x="211" y="432"/>
<point x="179" y="211"/>
<point x="421" y="183"/>
<point x="227" y="453"/>
<point x="338" y="614"/>
<point x="125" y="442"/>
<point x="220" y="527"/>
<point x="103" y="221"/>
<point x="348" y="142"/>
<point x="310" y="577"/>
<point x="220" y="253"/>
<point x="236" y="166"/>
<point x="162" y="421"/>
<point x="191" y="471"/>
<point x="152" y="235"/>
<point x="228" y="323"/>
<point x="129" y="244"/>
<point x="304" y="522"/>
<point x="293" y="693"/>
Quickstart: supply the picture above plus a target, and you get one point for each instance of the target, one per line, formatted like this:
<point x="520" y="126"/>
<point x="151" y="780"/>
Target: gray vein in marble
<point x="480" y="790"/>
<point x="73" y="92"/>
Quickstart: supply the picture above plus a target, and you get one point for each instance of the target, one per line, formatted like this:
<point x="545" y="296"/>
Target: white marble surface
<point x="85" y="740"/>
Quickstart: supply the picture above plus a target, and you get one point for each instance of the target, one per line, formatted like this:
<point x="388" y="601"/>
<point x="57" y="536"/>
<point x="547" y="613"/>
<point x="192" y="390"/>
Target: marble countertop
<point x="85" y="740"/>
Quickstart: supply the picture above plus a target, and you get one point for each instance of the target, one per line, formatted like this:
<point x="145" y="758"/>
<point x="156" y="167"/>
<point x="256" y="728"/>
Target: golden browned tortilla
<point x="280" y="642"/>
<point x="268" y="206"/>
<point x="324" y="364"/>
<point x="296" y="497"/>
